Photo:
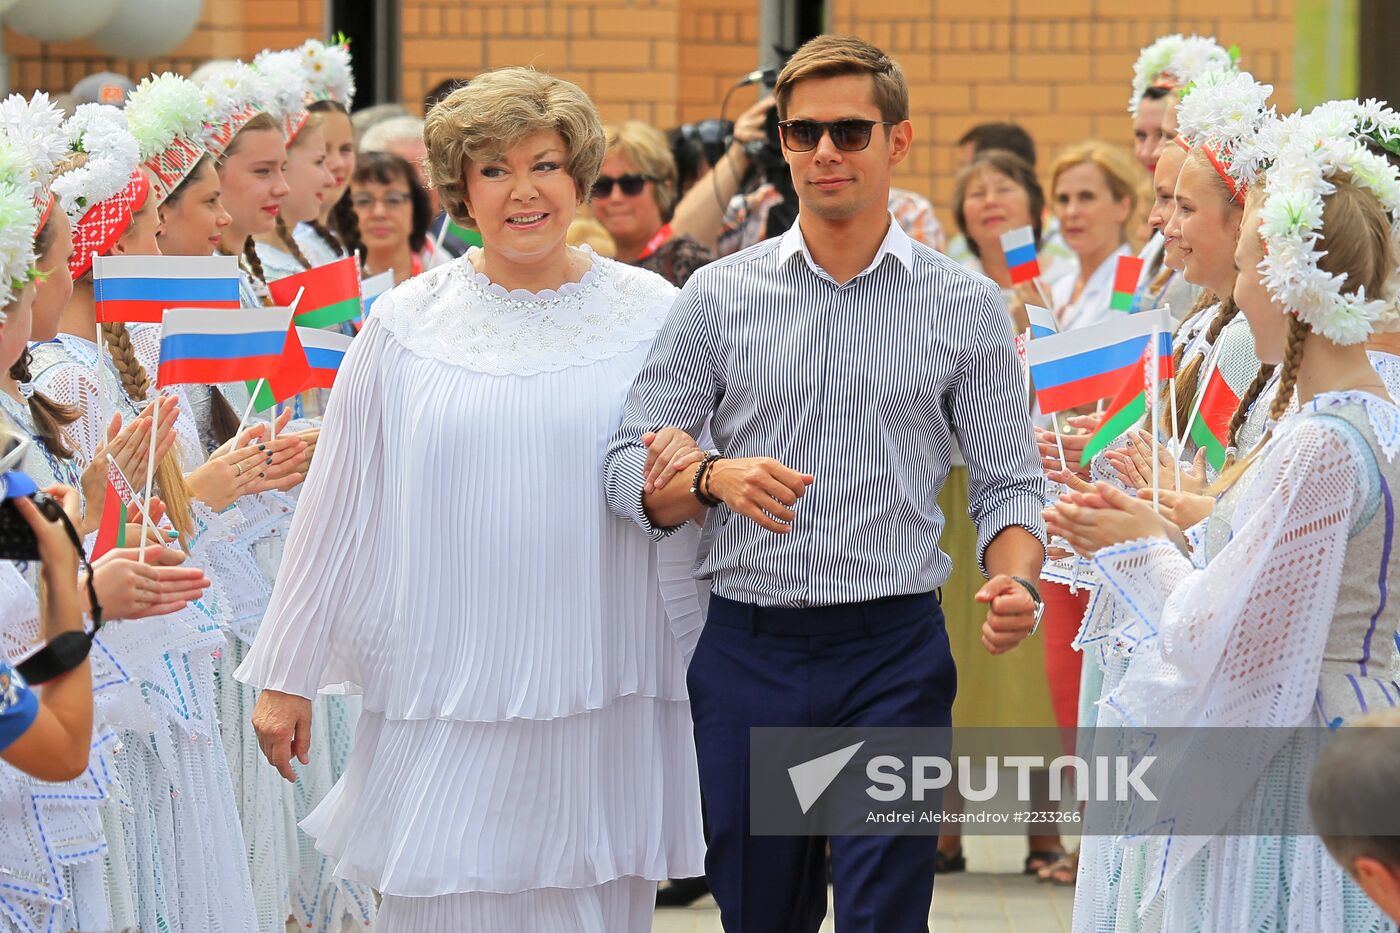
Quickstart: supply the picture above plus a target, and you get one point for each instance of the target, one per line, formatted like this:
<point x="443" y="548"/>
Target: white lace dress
<point x="524" y="760"/>
<point x="180" y="864"/>
<point x="289" y="876"/>
<point x="1282" y="621"/>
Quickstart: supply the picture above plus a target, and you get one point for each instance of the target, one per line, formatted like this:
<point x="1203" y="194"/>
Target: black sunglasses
<point x="631" y="185"/>
<point x="846" y="135"/>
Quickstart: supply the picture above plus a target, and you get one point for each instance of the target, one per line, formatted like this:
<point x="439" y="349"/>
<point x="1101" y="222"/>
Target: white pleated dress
<point x="525" y="759"/>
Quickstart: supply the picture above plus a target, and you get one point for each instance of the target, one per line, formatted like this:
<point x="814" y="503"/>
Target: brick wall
<point x="227" y="29"/>
<point x="1060" y="67"/>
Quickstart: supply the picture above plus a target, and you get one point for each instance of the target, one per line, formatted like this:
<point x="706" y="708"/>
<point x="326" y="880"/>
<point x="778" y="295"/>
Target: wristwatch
<point x="1039" y="603"/>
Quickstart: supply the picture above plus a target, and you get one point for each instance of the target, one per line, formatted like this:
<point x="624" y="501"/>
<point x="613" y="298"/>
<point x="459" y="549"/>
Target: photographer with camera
<point x="48" y="736"/>
<point x="700" y="212"/>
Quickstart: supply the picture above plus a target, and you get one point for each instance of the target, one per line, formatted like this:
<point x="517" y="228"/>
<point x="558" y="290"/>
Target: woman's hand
<point x="130" y="589"/>
<point x="1074" y="444"/>
<point x="129" y="446"/>
<point x="1182" y="509"/>
<point x="669" y="451"/>
<point x="222" y="479"/>
<point x="283" y="724"/>
<point x="1105" y="516"/>
<point x="58" y="558"/>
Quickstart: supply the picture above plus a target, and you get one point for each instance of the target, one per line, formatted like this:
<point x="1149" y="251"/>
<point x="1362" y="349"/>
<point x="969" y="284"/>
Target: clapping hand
<point x="127" y="588"/>
<point x="1102" y="516"/>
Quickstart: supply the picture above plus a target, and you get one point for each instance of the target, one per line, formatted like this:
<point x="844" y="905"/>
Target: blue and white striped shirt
<point x="862" y="385"/>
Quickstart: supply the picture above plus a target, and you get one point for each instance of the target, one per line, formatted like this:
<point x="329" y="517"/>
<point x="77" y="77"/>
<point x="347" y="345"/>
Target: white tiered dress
<point x="524" y="758"/>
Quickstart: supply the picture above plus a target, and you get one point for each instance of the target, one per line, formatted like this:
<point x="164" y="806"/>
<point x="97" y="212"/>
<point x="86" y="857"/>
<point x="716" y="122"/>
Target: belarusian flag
<point x="111" y="531"/>
<point x="1132" y="402"/>
<point x="469" y="237"/>
<point x="1211" y="426"/>
<point x="332" y="293"/>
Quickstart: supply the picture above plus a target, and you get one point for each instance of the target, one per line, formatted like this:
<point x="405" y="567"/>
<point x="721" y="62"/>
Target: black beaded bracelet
<point x="698" y="488"/>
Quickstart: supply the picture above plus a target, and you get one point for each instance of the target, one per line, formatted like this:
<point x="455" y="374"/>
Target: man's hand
<point x="1010" y="613"/>
<point x="283" y="724"/>
<point x="761" y="488"/>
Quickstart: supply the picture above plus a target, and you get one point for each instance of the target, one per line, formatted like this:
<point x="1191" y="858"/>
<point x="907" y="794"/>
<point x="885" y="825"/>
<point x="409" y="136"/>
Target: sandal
<point x="1037" y="860"/>
<point x="949" y="864"/>
<point x="1062" y="872"/>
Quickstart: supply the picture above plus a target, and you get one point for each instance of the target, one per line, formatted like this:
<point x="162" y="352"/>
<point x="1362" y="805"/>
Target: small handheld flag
<point x="332" y="293"/>
<point x="325" y="351"/>
<point x="138" y="289"/>
<point x="1210" y="428"/>
<point x="1019" y="247"/>
<point x="371" y="288"/>
<point x="1125" y="282"/>
<point x="1043" y="322"/>
<point x="111" y="531"/>
<point x="288" y="376"/>
<point x="203" y="345"/>
<point x="1090" y="363"/>
<point x="1137" y="395"/>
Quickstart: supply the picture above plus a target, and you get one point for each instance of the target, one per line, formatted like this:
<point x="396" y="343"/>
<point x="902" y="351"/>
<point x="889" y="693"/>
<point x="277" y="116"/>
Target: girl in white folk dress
<point x="524" y="760"/>
<point x="1272" y="614"/>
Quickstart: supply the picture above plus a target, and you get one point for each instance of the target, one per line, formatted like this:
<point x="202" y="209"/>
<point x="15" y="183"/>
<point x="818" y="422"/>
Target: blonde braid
<point x="255" y="266"/>
<point x="136" y="382"/>
<point x="1288" y="381"/>
<point x="1251" y="395"/>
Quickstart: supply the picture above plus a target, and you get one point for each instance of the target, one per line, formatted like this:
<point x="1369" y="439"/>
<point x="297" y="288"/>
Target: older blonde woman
<point x="634" y="197"/>
<point x="524" y="761"/>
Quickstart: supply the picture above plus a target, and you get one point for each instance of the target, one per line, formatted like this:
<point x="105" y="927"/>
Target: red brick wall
<point x="1060" y="67"/>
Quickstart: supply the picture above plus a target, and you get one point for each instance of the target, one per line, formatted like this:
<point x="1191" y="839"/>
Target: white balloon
<point x="60" y="20"/>
<point x="147" y="28"/>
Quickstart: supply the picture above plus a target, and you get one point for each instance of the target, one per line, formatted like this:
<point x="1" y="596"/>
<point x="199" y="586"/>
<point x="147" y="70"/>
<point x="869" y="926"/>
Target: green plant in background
<point x="1325" y="65"/>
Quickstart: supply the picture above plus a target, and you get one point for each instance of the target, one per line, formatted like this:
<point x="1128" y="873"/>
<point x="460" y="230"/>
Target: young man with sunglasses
<point x="834" y="365"/>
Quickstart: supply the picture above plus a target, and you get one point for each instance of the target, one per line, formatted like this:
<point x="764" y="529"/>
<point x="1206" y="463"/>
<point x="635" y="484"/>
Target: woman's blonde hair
<point x="483" y="120"/>
<point x="646" y="148"/>
<point x="1356" y="245"/>
<point x="1122" y="174"/>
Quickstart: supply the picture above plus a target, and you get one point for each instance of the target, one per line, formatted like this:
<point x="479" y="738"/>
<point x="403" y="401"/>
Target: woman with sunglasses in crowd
<point x="634" y="197"/>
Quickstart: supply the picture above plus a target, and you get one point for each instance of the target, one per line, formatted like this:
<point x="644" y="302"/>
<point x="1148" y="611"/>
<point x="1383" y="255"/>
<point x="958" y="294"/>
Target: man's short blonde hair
<point x="483" y="120"/>
<point x="646" y="148"/>
<point x="837" y="56"/>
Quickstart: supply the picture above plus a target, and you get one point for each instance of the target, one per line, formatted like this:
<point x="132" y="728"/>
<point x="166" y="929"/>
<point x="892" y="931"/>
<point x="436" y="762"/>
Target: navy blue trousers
<point x="881" y="663"/>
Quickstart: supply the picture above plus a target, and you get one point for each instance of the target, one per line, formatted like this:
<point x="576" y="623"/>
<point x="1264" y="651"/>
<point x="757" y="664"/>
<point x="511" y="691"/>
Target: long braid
<point x="1251" y="396"/>
<point x="327" y="234"/>
<point x="290" y="243"/>
<point x="50" y="418"/>
<point x="347" y="226"/>
<point x="1188" y="379"/>
<point x="1287" y="382"/>
<point x="136" y="382"/>
<point x="255" y="266"/>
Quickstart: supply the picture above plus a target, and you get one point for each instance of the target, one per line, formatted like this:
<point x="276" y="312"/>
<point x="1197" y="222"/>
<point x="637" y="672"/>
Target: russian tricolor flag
<point x="1043" y="323"/>
<point x="138" y="289"/>
<point x="1082" y="366"/>
<point x="374" y="286"/>
<point x="206" y="345"/>
<point x="325" y="351"/>
<point x="1019" y="247"/>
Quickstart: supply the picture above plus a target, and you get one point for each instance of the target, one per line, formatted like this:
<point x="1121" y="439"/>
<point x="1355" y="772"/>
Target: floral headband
<point x="1291" y="227"/>
<point x="1176" y="61"/>
<point x="1223" y="112"/>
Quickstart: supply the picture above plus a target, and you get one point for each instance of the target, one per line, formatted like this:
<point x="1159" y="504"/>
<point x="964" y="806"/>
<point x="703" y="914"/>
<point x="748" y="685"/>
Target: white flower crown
<point x="1291" y="226"/>
<point x="228" y="94"/>
<point x="328" y="72"/>
<point x="36" y="128"/>
<point x="286" y="80"/>
<point x="99" y="130"/>
<point x="19" y="221"/>
<point x="1176" y="61"/>
<point x="1221" y="113"/>
<point x="162" y="108"/>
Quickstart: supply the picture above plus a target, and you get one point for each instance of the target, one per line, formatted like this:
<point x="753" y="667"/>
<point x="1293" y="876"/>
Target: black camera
<point x="17" y="541"/>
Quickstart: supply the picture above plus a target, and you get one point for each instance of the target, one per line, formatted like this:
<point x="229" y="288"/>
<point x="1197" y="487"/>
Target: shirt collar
<point x="896" y="243"/>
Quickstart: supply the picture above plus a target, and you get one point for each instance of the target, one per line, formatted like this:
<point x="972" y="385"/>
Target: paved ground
<point x="992" y="897"/>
